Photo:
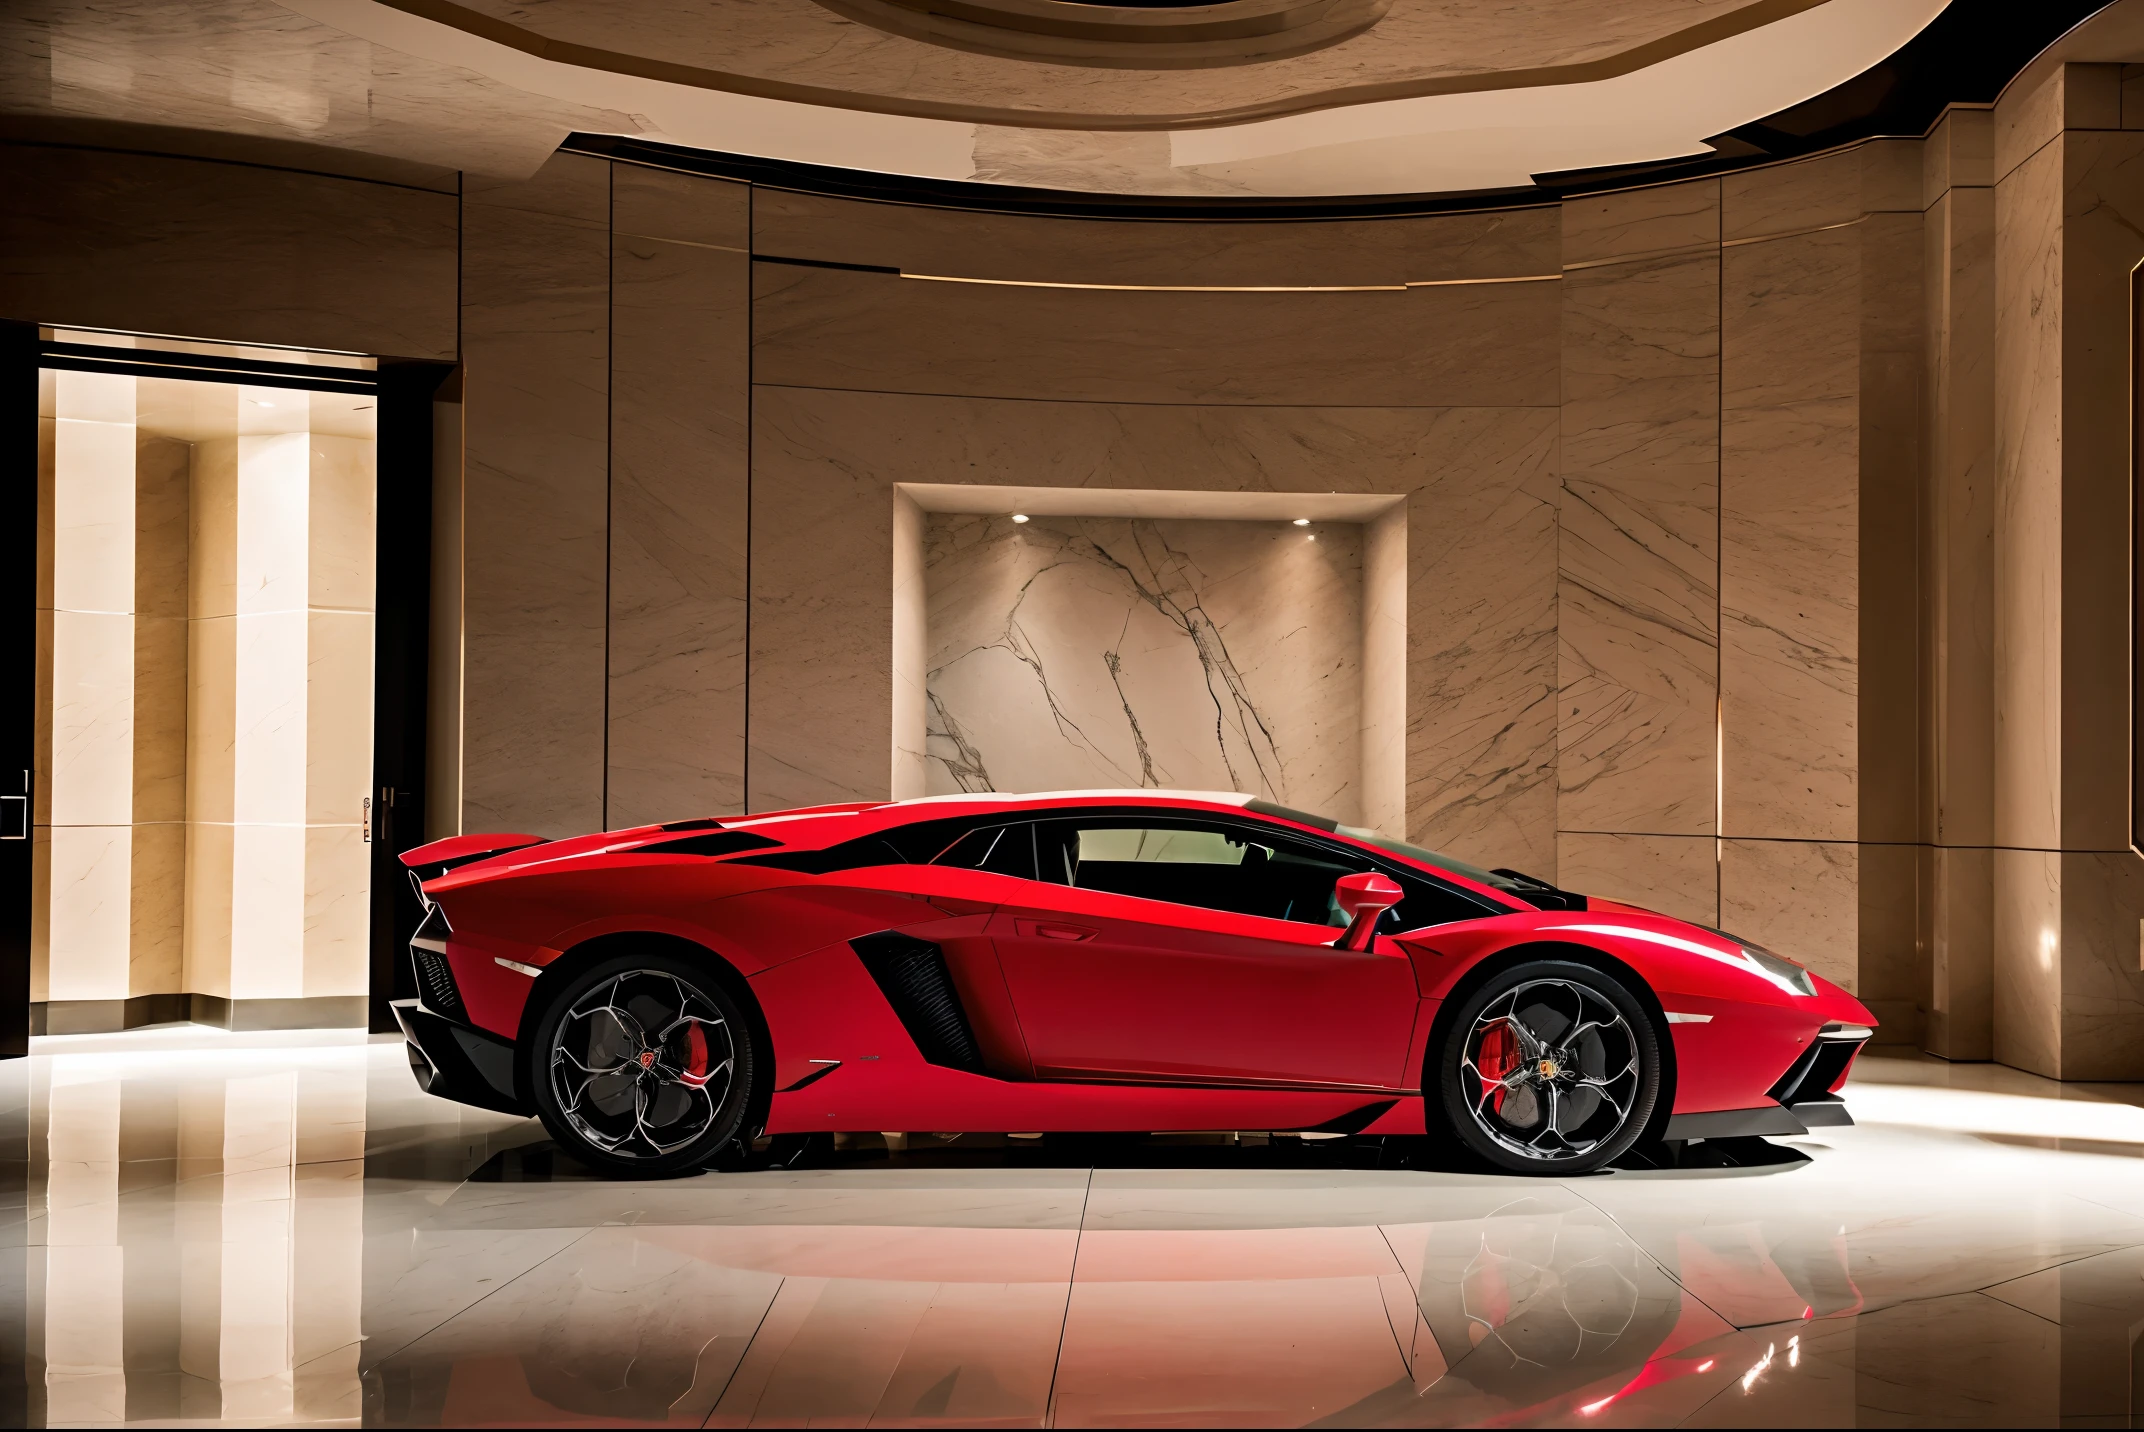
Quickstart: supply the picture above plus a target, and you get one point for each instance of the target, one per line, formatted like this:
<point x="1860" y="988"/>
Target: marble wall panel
<point x="1789" y="549"/>
<point x="683" y="208"/>
<point x="1495" y="344"/>
<point x="1482" y="651"/>
<point x="1638" y="547"/>
<point x="1891" y="950"/>
<point x="156" y="929"/>
<point x="2102" y="242"/>
<point x="914" y="239"/>
<point x="1675" y="874"/>
<point x="1960" y="274"/>
<point x="1891" y="766"/>
<point x="1790" y="198"/>
<point x="2030" y="114"/>
<point x="153" y="243"/>
<point x="1641" y="223"/>
<point x="535" y="323"/>
<point x="2026" y="959"/>
<point x="1799" y="897"/>
<point x="335" y="916"/>
<point x="1958" y="153"/>
<point x="1082" y="653"/>
<point x="680" y="368"/>
<point x="2102" y="964"/>
<point x="1959" y="1019"/>
<point x="89" y="927"/>
<point x="821" y="632"/>
<point x="2029" y="614"/>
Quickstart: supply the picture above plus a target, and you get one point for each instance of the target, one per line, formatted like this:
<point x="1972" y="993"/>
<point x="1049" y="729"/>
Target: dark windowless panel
<point x="403" y="567"/>
<point x="18" y="658"/>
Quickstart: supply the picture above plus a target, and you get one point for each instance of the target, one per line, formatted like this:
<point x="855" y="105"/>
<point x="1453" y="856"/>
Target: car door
<point x="1198" y="952"/>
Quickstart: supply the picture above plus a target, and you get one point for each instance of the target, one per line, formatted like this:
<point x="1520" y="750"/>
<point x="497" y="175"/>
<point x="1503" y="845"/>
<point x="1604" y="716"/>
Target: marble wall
<point x="1085" y="652"/>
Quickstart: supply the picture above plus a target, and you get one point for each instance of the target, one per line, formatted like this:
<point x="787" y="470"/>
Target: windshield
<point x="1524" y="889"/>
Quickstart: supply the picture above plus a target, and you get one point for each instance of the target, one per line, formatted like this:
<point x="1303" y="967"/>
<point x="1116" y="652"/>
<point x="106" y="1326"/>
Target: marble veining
<point x="1079" y="652"/>
<point x="1638" y="546"/>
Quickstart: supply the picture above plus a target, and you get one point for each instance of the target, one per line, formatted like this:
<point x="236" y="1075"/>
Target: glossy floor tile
<point x="279" y="1229"/>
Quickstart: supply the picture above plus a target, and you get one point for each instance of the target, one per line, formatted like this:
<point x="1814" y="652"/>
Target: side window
<point x="1214" y="867"/>
<point x="1240" y="868"/>
<point x="999" y="849"/>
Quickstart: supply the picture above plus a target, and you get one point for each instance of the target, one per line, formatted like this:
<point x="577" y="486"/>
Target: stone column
<point x="2068" y="888"/>
<point x="111" y="725"/>
<point x="1959" y="547"/>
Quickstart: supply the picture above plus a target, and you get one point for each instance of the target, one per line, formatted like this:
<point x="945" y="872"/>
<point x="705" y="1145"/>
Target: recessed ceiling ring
<point x="1142" y="35"/>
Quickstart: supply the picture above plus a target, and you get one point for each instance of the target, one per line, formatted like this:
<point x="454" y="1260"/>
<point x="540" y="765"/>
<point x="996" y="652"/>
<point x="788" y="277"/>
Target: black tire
<point x="618" y="1079"/>
<point x="1515" y="1087"/>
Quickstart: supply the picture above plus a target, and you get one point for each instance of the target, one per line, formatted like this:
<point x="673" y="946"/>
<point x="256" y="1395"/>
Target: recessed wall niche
<point x="1157" y="639"/>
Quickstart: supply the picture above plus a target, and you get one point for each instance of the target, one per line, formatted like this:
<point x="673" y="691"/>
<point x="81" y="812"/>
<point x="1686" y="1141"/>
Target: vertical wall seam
<point x="1719" y="563"/>
<point x="751" y="406"/>
<point x="610" y="407"/>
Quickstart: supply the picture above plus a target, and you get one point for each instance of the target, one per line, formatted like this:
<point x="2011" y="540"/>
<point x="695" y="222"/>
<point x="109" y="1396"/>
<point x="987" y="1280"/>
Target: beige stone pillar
<point x="111" y="735"/>
<point x="281" y="710"/>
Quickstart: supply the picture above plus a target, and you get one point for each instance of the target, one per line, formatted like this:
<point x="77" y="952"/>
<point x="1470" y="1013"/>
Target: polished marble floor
<point x="275" y="1229"/>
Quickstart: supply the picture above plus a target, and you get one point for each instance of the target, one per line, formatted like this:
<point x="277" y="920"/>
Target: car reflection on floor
<point x="280" y="1228"/>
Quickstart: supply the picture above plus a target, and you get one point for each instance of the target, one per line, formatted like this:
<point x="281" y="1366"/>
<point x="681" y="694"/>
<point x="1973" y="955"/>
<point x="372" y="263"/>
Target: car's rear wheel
<point x="1552" y="1067"/>
<point x="642" y="1066"/>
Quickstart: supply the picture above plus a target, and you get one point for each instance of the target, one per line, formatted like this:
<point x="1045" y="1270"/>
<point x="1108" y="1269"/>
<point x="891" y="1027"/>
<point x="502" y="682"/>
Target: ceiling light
<point x="1019" y="517"/>
<point x="1302" y="521"/>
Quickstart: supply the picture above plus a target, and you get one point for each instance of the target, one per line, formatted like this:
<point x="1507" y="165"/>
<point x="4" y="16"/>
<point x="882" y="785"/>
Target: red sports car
<point x="1088" y="961"/>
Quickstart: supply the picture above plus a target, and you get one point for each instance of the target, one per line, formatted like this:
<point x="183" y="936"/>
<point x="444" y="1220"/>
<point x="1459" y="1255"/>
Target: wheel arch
<point x="1640" y="989"/>
<point x="576" y="958"/>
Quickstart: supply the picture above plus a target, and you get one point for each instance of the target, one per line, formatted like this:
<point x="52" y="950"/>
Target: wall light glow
<point x="1302" y="521"/>
<point x="1019" y="517"/>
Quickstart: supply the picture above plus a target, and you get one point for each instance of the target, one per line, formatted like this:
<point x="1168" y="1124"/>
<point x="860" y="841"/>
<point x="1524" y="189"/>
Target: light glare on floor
<point x="1019" y="517"/>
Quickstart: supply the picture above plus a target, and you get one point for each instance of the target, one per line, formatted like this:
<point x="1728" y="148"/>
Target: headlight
<point x="1788" y="975"/>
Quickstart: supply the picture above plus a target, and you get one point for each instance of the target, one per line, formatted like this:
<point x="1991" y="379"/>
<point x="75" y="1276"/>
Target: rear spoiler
<point x="443" y="855"/>
<point x="429" y="862"/>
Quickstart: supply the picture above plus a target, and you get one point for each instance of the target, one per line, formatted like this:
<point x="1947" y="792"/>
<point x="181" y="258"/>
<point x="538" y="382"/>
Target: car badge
<point x="1548" y="1069"/>
<point x="647" y="1059"/>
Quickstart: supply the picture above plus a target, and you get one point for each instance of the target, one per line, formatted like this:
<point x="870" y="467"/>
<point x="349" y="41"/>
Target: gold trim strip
<point x="1792" y="233"/>
<point x="1166" y="287"/>
<point x="688" y="243"/>
<point x="1233" y="287"/>
<point x="1455" y="282"/>
<point x="1693" y="250"/>
<point x="1648" y="256"/>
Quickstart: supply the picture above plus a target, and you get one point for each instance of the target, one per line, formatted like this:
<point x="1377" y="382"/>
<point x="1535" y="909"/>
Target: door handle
<point x="1053" y="930"/>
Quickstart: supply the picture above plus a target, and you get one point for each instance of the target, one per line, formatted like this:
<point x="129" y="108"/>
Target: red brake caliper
<point x="1498" y="1054"/>
<point x="695" y="1055"/>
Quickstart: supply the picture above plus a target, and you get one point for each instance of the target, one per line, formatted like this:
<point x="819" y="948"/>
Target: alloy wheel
<point x="642" y="1065"/>
<point x="1550" y="1071"/>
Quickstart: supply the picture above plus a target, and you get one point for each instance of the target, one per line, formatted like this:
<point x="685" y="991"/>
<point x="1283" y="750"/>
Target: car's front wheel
<point x="642" y="1066"/>
<point x="1552" y="1067"/>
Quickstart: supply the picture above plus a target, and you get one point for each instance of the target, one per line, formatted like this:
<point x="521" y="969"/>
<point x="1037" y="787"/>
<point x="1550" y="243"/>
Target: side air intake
<point x="913" y="977"/>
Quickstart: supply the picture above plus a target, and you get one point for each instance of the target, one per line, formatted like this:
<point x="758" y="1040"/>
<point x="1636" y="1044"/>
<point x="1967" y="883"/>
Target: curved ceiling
<point x="1429" y="96"/>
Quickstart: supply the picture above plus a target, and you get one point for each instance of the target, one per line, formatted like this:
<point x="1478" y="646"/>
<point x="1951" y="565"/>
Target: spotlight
<point x="1019" y="517"/>
<point x="1302" y="521"/>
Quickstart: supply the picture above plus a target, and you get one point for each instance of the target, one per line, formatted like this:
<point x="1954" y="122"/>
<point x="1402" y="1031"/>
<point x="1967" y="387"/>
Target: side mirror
<point x="1363" y="898"/>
